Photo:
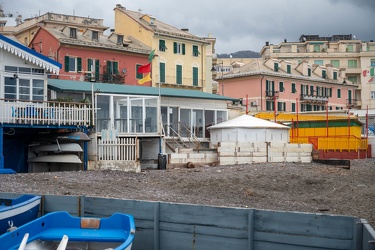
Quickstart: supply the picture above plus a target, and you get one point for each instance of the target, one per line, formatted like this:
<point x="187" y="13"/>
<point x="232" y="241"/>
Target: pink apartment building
<point x="268" y="85"/>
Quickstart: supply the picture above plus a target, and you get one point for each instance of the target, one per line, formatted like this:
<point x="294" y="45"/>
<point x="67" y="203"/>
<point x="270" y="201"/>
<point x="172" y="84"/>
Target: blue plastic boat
<point x="59" y="230"/>
<point x="18" y="211"/>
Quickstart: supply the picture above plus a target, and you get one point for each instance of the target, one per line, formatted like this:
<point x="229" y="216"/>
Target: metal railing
<point x="45" y="112"/>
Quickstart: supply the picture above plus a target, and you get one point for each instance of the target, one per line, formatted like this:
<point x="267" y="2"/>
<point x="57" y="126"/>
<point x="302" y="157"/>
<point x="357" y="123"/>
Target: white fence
<point x="112" y="147"/>
<point x="45" y="113"/>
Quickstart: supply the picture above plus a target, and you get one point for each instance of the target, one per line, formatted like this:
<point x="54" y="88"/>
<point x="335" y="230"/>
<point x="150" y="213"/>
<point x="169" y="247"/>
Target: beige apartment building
<point x="181" y="58"/>
<point x="354" y="58"/>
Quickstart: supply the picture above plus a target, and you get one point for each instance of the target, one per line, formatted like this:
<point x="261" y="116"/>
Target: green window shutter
<point x="276" y="67"/>
<point x="324" y="74"/>
<point x="338" y="93"/>
<point x="66" y="63"/>
<point x="302" y="89"/>
<point x="195" y="76"/>
<point x="334" y="75"/>
<point x="109" y="67"/>
<point x="330" y="92"/>
<point x="115" y="68"/>
<point x="79" y="64"/>
<point x="288" y="69"/>
<point x="371" y="71"/>
<point x="281" y="86"/>
<point x="311" y="90"/>
<point x="138" y="75"/>
<point x="308" y="72"/>
<point x="195" y="50"/>
<point x="267" y="86"/>
<point x="89" y="63"/>
<point x="178" y="74"/>
<point x="162" y="72"/>
<point x="293" y="107"/>
<point x="294" y="88"/>
<point x="183" y="49"/>
<point x="161" y="45"/>
<point x="350" y="96"/>
<point x="97" y="69"/>
<point x="174" y="47"/>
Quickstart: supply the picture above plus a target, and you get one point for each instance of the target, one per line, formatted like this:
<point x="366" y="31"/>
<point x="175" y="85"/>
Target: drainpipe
<point x="261" y="93"/>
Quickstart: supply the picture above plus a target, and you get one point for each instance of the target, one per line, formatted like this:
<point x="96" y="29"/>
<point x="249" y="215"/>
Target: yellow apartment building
<point x="180" y="60"/>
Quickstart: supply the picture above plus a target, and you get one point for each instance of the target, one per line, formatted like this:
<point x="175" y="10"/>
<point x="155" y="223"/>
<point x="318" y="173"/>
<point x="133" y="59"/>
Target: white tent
<point x="247" y="128"/>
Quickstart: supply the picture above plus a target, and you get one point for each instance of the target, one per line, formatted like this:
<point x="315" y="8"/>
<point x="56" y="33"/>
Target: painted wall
<point x="255" y="88"/>
<point x="58" y="51"/>
<point x="128" y="26"/>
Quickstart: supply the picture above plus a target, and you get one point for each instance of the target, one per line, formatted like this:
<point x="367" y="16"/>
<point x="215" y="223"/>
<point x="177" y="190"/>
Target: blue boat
<point x="60" y="230"/>
<point x="15" y="212"/>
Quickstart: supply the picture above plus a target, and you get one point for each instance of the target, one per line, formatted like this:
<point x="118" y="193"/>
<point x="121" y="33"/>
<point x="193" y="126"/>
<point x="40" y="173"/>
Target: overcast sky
<point x="236" y="25"/>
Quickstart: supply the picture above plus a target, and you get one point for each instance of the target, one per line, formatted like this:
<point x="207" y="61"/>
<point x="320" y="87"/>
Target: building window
<point x="112" y="68"/>
<point x="270" y="105"/>
<point x="179" y="74"/>
<point x="352" y="64"/>
<point x="73" y="64"/>
<point x="195" y="50"/>
<point x="372" y="94"/>
<point x="288" y="69"/>
<point x="93" y="66"/>
<point x="353" y="79"/>
<point x="281" y="86"/>
<point x="195" y="76"/>
<point x="308" y="72"/>
<point x="281" y="106"/>
<point x="324" y="74"/>
<point x="293" y="107"/>
<point x="335" y="63"/>
<point x="276" y="67"/>
<point x="95" y="35"/>
<point x="23" y="89"/>
<point x="178" y="48"/>
<point x="372" y="63"/>
<point x="334" y="75"/>
<point x="349" y="48"/>
<point x="162" y="72"/>
<point x="120" y="39"/>
<point x="316" y="48"/>
<point x="162" y="46"/>
<point x="73" y="33"/>
<point x="318" y="62"/>
<point x="338" y="93"/>
<point x="138" y="75"/>
<point x="294" y="90"/>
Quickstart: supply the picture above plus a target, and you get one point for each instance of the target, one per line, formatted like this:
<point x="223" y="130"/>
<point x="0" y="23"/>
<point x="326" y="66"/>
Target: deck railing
<point x="45" y="113"/>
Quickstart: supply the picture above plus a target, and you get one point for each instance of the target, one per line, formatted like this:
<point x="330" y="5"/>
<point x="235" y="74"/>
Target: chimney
<point x="18" y="19"/>
<point x="267" y="43"/>
<point x="285" y="40"/>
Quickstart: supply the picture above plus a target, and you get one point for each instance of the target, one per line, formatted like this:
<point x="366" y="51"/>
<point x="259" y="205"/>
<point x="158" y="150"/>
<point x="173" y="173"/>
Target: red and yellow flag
<point x="147" y="78"/>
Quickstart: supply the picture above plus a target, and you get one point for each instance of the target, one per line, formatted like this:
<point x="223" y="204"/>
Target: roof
<point x="80" y="86"/>
<point x="159" y="27"/>
<point x="28" y="54"/>
<point x="104" y="42"/>
<point x="257" y="66"/>
<point x="247" y="121"/>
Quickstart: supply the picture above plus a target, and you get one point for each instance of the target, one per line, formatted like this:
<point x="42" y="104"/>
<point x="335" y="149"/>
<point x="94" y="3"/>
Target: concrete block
<point x="259" y="159"/>
<point x="293" y="159"/>
<point x="277" y="149"/>
<point x="276" y="154"/>
<point x="276" y="159"/>
<point x="244" y="160"/>
<point x="244" y="154"/>
<point x="178" y="156"/>
<point x="277" y="144"/>
<point x="260" y="154"/>
<point x="306" y="159"/>
<point x="227" y="161"/>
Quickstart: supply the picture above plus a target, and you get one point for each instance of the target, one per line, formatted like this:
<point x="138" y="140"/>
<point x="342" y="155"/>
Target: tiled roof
<point x="103" y="42"/>
<point x="78" y="86"/>
<point x="161" y="27"/>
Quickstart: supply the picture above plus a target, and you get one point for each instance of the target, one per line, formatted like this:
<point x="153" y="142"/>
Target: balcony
<point x="313" y="98"/>
<point x="271" y="94"/>
<point x="32" y="113"/>
<point x="353" y="103"/>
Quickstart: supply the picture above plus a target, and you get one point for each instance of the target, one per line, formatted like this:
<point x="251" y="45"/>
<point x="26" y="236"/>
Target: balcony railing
<point x="45" y="113"/>
<point x="272" y="94"/>
<point x="314" y="98"/>
<point x="352" y="103"/>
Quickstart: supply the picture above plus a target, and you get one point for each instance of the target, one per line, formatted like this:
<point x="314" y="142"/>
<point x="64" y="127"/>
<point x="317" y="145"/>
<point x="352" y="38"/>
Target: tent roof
<point x="247" y="121"/>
